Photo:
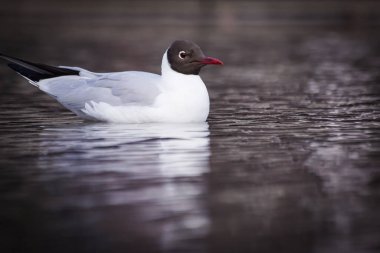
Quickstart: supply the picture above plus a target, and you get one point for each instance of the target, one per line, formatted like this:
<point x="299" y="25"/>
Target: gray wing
<point x="122" y="88"/>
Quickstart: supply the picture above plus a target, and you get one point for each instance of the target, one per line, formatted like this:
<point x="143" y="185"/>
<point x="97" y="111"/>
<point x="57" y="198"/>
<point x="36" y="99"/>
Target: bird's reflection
<point x="167" y="149"/>
<point x="153" y="172"/>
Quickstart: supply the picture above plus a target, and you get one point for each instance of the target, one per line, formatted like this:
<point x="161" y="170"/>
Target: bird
<point x="178" y="95"/>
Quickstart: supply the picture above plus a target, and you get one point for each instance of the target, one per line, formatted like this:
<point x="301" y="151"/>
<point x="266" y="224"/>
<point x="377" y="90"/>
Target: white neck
<point x="174" y="79"/>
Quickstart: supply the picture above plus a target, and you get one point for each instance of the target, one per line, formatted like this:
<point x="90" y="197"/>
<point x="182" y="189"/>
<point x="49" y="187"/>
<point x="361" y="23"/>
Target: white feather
<point x="131" y="96"/>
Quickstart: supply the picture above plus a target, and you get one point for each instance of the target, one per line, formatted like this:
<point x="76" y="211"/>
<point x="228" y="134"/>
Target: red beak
<point x="210" y="60"/>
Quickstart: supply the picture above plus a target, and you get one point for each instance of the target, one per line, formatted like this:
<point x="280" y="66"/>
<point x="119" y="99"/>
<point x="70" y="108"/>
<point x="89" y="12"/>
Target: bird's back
<point x="129" y="88"/>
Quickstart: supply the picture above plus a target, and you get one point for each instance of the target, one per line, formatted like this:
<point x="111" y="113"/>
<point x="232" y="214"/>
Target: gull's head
<point x="187" y="58"/>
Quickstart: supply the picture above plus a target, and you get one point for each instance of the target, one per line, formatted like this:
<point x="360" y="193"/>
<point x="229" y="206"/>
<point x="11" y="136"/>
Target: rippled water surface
<point x="289" y="160"/>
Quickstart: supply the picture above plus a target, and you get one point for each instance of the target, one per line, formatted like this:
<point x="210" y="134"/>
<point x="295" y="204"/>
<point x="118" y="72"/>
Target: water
<point x="287" y="162"/>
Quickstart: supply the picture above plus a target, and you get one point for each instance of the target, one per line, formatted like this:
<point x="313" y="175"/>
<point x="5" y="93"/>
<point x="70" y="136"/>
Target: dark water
<point x="289" y="160"/>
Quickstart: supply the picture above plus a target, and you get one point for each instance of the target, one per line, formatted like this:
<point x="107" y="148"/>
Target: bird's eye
<point x="182" y="54"/>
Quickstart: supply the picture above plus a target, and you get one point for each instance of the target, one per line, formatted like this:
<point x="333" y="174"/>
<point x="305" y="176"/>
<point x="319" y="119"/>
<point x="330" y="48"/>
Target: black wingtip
<point x="29" y="74"/>
<point x="36" y="71"/>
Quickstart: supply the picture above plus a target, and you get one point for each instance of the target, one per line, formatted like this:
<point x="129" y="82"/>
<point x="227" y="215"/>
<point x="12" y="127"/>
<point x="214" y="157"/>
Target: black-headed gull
<point x="177" y="95"/>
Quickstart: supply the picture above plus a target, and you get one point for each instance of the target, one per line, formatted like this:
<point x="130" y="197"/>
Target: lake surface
<point x="288" y="161"/>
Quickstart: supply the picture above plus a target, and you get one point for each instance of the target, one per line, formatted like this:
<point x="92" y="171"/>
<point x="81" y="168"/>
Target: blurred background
<point x="289" y="160"/>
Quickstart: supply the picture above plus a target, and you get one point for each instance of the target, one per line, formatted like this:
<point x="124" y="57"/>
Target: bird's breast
<point x="186" y="103"/>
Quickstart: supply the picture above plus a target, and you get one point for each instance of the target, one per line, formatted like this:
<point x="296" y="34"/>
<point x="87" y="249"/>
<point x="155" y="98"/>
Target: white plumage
<point x="132" y="96"/>
<point x="177" y="95"/>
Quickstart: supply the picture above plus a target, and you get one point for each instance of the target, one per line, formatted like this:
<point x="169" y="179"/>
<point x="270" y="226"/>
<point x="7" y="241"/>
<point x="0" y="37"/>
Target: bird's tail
<point x="35" y="72"/>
